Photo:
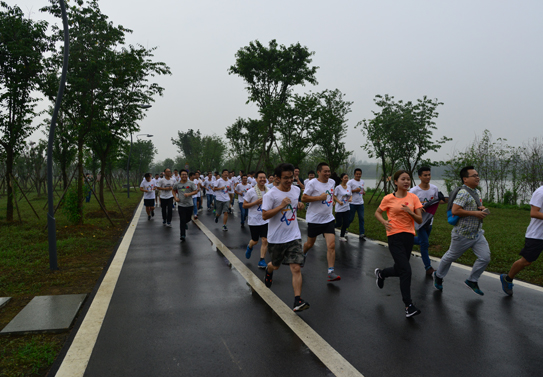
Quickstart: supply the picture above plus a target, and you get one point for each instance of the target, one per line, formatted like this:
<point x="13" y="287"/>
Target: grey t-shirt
<point x="182" y="188"/>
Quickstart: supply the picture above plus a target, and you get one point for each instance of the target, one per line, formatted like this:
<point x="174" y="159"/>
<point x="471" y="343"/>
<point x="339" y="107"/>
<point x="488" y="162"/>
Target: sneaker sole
<point x="412" y="314"/>
<point x="377" y="278"/>
<point x="335" y="279"/>
<point x="302" y="307"/>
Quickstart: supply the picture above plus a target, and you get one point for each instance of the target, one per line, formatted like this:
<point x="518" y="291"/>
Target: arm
<point x="381" y="219"/>
<point x="300" y="183"/>
<point x="336" y="200"/>
<point x="308" y="199"/>
<point x="534" y="213"/>
<point x="461" y="212"/>
<point x="417" y="215"/>
<point x="266" y="215"/>
<point x="248" y="205"/>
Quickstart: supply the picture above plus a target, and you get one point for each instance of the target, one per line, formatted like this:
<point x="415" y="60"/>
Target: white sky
<point x="481" y="58"/>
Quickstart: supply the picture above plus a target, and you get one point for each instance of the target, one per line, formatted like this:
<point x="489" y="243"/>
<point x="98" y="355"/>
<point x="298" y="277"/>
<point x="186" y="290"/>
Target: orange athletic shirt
<point x="400" y="220"/>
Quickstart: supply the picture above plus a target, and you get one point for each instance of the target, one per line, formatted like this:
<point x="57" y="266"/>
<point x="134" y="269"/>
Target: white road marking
<point x="336" y="363"/>
<point x="76" y="360"/>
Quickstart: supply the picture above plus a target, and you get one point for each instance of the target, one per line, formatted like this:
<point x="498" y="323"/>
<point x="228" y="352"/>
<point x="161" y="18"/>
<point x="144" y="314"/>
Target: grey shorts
<point x="286" y="253"/>
<point x="221" y="207"/>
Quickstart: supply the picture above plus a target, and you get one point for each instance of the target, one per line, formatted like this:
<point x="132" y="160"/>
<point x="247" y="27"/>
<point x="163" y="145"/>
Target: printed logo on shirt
<point x="328" y="202"/>
<point x="259" y="209"/>
<point x="286" y="218"/>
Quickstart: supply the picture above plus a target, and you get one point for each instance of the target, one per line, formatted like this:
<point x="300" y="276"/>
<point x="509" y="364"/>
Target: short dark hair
<point x="191" y="174"/>
<point x="183" y="170"/>
<point x="319" y="166"/>
<point x="261" y="172"/>
<point x="311" y="172"/>
<point x="282" y="168"/>
<point x="464" y="172"/>
<point x="243" y="175"/>
<point x="175" y="170"/>
<point x="147" y="175"/>
<point x="357" y="169"/>
<point x="224" y="170"/>
<point x="422" y="169"/>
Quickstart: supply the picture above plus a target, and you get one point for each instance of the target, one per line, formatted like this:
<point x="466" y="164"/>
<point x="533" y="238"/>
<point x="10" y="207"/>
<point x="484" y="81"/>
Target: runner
<point x="342" y="197"/>
<point x="157" y="196"/>
<point x="183" y="192"/>
<point x="468" y="232"/>
<point x="320" y="220"/>
<point x="252" y="202"/>
<point x="271" y="181"/>
<point x="147" y="186"/>
<point x="310" y="176"/>
<point x="234" y="183"/>
<point x="297" y="181"/>
<point x="209" y="190"/>
<point x="279" y="206"/>
<point x="200" y="190"/>
<point x="240" y="190"/>
<point x="427" y="194"/>
<point x="357" y="205"/>
<point x="402" y="207"/>
<point x="222" y="189"/>
<point x="165" y="186"/>
<point x="176" y="178"/>
<point x="533" y="242"/>
<point x="196" y="181"/>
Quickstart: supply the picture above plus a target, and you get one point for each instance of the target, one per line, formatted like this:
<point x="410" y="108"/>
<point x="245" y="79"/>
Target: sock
<point x="330" y="270"/>
<point x="508" y="279"/>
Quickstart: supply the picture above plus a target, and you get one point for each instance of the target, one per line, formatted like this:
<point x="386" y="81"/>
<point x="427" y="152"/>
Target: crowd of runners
<point x="269" y="204"/>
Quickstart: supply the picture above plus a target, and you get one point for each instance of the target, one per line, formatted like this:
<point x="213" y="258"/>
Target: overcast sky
<point x="482" y="59"/>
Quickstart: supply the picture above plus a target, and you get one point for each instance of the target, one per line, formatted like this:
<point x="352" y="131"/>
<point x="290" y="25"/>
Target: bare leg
<point x="517" y="267"/>
<point x="252" y="243"/>
<point x="309" y="244"/>
<point x="224" y="218"/>
<point x="331" y="249"/>
<point x="296" y="279"/>
<point x="263" y="247"/>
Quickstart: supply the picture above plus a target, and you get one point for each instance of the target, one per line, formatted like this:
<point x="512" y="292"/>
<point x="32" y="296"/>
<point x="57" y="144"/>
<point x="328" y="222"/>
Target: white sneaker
<point x="343" y="239"/>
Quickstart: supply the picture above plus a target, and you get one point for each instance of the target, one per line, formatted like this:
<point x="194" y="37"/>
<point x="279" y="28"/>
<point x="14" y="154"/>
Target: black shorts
<point x="532" y="248"/>
<point x="258" y="231"/>
<point x="313" y="229"/>
<point x="149" y="202"/>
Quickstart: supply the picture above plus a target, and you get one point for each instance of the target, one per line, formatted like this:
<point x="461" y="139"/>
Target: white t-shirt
<point x="283" y="227"/>
<point x="535" y="229"/>
<point x="344" y="195"/>
<point x="320" y="212"/>
<point x="426" y="195"/>
<point x="269" y="185"/>
<point x="226" y="188"/>
<point x="255" y="212"/>
<point x="252" y="181"/>
<point x="149" y="188"/>
<point x="307" y="180"/>
<point x="243" y="189"/>
<point x="196" y="181"/>
<point x="358" y="197"/>
<point x="165" y="183"/>
<point x="177" y="178"/>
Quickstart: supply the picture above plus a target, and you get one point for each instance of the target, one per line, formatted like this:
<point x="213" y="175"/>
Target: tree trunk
<point x="80" y="177"/>
<point x="9" y="184"/>
<point x="102" y="179"/>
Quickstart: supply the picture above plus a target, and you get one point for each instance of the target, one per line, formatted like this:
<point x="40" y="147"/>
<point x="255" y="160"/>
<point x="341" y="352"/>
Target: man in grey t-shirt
<point x="182" y="194"/>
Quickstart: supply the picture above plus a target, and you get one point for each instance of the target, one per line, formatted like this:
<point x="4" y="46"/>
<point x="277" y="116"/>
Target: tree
<point x="204" y="152"/>
<point x="270" y="74"/>
<point x="243" y="136"/>
<point x="23" y="43"/>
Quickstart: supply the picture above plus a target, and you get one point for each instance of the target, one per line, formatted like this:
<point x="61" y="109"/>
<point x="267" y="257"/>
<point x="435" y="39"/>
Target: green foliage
<point x="200" y="152"/>
<point x="243" y="135"/>
<point x="70" y="204"/>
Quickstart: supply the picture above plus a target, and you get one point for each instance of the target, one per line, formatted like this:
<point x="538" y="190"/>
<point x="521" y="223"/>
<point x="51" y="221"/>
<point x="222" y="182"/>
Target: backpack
<point x="452" y="219"/>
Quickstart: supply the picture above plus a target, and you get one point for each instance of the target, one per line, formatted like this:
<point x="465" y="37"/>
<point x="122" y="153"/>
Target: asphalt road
<point x="179" y="309"/>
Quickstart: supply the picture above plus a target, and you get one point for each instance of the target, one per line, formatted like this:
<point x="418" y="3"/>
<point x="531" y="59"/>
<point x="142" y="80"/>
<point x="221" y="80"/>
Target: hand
<point x="301" y="205"/>
<point x="259" y="201"/>
<point x="480" y="215"/>
<point x="186" y="195"/>
<point x="323" y="196"/>
<point x="407" y="209"/>
<point x="285" y="202"/>
<point x="387" y="225"/>
<point x="176" y="199"/>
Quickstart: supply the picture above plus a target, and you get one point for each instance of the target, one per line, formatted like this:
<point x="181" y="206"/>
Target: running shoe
<point x="362" y="237"/>
<point x="411" y="311"/>
<point x="300" y="305"/>
<point x="380" y="281"/>
<point x="214" y="211"/>
<point x="268" y="279"/>
<point x="224" y="228"/>
<point x="169" y="225"/>
<point x="262" y="264"/>
<point x="209" y="210"/>
<point x="242" y="225"/>
<point x="149" y="217"/>
<point x="438" y="282"/>
<point x="164" y="223"/>
<point x="506" y="286"/>
<point x="216" y="219"/>
<point x="332" y="276"/>
<point x="343" y="239"/>
<point x="182" y="238"/>
<point x="196" y="217"/>
<point x="248" y="252"/>
<point x="474" y="287"/>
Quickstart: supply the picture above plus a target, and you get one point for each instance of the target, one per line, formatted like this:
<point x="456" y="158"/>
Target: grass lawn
<point x="83" y="252"/>
<point x="504" y="231"/>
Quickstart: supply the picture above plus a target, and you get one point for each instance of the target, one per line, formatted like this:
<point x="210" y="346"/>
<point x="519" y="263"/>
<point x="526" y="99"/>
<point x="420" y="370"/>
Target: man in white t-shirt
<point x="157" y="196"/>
<point x="533" y="242"/>
<point x="222" y="189"/>
<point x="193" y="178"/>
<point x="320" y="219"/>
<point x="240" y="189"/>
<point x="310" y="176"/>
<point x="279" y="208"/>
<point x="427" y="194"/>
<point x="252" y="202"/>
<point x="147" y="186"/>
<point x="208" y="184"/>
<point x="234" y="183"/>
<point x="165" y="186"/>
<point x="356" y="186"/>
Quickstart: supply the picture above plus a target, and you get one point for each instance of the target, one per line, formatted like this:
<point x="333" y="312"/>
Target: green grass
<point x="504" y="230"/>
<point x="83" y="252"/>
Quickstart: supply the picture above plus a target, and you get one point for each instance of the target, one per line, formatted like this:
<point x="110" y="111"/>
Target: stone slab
<point x="4" y="301"/>
<point x="46" y="314"/>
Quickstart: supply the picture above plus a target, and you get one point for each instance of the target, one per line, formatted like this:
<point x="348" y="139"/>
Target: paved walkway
<point x="184" y="309"/>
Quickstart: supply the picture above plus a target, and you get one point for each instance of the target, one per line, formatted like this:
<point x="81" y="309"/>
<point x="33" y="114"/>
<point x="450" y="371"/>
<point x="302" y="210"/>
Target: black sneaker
<point x="148" y="217"/>
<point x="268" y="279"/>
<point x="216" y="219"/>
<point x="242" y="225"/>
<point x="362" y="237"/>
<point x="182" y="238"/>
<point x="380" y="281"/>
<point x="300" y="305"/>
<point x="411" y="311"/>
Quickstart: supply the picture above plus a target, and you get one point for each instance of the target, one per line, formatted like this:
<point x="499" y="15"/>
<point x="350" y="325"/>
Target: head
<point x="285" y="174"/>
<point x="167" y="173"/>
<point x="191" y="176"/>
<point x="402" y="180"/>
<point x="240" y="173"/>
<point x="469" y="176"/>
<point x="209" y="175"/>
<point x="271" y="178"/>
<point x="184" y="174"/>
<point x="230" y="174"/>
<point x="147" y="177"/>
<point x="260" y="178"/>
<point x="425" y="174"/>
<point x="357" y="174"/>
<point x="311" y="174"/>
<point x="175" y="172"/>
<point x="243" y="179"/>
<point x="197" y="175"/>
<point x="157" y="176"/>
<point x="343" y="178"/>
<point x="323" y="170"/>
<point x="296" y="171"/>
<point x="224" y="174"/>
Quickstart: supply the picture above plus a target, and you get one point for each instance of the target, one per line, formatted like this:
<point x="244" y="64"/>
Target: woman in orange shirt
<point x="402" y="208"/>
